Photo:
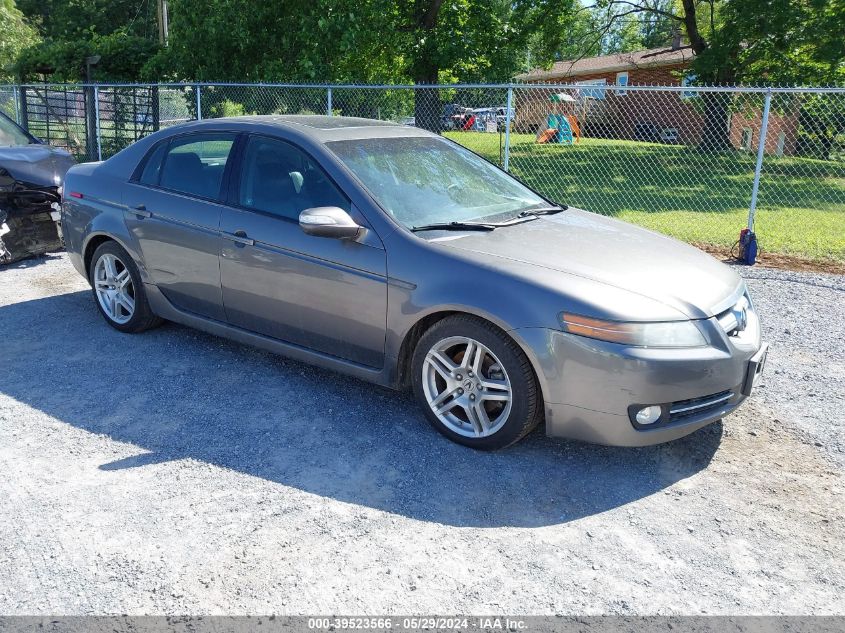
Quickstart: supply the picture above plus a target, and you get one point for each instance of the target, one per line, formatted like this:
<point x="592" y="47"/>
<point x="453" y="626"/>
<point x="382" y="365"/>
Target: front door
<point x="174" y="210"/>
<point x="328" y="295"/>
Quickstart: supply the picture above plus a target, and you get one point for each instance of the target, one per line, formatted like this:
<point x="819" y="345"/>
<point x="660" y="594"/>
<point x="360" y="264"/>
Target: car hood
<point x="36" y="164"/>
<point x="614" y="253"/>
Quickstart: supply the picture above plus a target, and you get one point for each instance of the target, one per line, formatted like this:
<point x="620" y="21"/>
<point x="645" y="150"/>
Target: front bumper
<point x="592" y="388"/>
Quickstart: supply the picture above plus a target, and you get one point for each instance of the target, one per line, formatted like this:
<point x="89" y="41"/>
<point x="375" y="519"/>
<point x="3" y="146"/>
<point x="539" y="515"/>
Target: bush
<point x="225" y="108"/>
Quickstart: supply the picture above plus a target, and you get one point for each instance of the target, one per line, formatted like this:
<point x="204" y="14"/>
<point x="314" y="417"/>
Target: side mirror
<point x="328" y="222"/>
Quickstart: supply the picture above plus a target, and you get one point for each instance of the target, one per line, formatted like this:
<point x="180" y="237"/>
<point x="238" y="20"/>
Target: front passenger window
<point x="281" y="179"/>
<point x="194" y="164"/>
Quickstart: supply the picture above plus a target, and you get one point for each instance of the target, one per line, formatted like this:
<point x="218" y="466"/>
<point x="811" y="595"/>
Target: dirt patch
<point x="779" y="260"/>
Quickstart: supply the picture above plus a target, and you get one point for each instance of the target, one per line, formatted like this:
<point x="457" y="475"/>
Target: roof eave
<point x="550" y="74"/>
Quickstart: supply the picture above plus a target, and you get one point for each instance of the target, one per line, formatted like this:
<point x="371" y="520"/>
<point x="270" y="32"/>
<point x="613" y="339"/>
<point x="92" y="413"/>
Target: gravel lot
<point x="175" y="472"/>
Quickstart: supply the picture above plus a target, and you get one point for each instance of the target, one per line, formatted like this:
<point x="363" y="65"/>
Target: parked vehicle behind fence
<point x="397" y="256"/>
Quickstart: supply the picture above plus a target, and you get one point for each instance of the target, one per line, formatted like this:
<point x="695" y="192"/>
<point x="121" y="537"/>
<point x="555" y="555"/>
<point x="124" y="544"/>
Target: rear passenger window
<point x="195" y="164"/>
<point x="152" y="168"/>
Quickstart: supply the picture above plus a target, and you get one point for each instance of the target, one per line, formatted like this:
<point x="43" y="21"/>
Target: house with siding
<point x="605" y="109"/>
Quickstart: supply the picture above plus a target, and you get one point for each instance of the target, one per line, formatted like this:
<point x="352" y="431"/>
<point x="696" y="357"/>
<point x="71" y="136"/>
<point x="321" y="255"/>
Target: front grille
<point x="685" y="408"/>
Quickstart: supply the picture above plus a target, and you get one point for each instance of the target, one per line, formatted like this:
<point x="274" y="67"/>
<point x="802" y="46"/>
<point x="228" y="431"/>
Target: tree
<point x="473" y="41"/>
<point x="421" y="41"/>
<point x="123" y="58"/>
<point x="16" y="34"/>
<point x="658" y="29"/>
<point x="66" y="20"/>
<point x="563" y="37"/>
<point x="627" y="36"/>
<point x="122" y="32"/>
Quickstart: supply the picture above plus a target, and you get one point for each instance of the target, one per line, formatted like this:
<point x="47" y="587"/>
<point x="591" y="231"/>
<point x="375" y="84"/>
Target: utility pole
<point x="163" y="28"/>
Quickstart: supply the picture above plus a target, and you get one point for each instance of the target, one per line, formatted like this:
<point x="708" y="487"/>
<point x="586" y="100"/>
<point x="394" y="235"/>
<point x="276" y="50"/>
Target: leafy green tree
<point x="16" y="34"/>
<point x="565" y="36"/>
<point x="122" y="58"/>
<point x="422" y="41"/>
<point x="657" y="29"/>
<point x="122" y="32"/>
<point x="82" y="19"/>
<point x="626" y="37"/>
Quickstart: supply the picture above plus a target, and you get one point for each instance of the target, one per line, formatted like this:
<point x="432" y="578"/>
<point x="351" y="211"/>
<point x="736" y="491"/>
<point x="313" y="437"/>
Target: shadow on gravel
<point x="180" y="394"/>
<point x="31" y="262"/>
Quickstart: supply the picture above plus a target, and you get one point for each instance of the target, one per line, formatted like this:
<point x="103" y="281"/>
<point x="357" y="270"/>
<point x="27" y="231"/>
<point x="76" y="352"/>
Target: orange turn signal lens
<point x="613" y="331"/>
<point x="683" y="333"/>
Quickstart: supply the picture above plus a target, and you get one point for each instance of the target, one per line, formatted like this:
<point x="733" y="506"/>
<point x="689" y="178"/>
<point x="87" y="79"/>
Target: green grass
<point x="691" y="195"/>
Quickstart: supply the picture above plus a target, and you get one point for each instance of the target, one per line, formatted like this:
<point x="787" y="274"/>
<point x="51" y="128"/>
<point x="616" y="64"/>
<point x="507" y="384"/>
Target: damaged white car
<point x="31" y="173"/>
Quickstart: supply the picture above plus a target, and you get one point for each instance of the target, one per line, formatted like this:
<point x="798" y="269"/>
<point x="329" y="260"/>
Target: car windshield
<point x="425" y="180"/>
<point x="11" y="134"/>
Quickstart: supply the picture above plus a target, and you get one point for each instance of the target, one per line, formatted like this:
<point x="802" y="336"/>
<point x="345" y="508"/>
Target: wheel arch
<point x="427" y="321"/>
<point x="94" y="241"/>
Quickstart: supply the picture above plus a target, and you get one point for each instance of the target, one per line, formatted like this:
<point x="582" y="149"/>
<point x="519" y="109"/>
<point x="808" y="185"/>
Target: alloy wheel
<point x="114" y="288"/>
<point x="466" y="387"/>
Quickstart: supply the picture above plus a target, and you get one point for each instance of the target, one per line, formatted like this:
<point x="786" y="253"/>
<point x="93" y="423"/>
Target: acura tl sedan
<point x="398" y="257"/>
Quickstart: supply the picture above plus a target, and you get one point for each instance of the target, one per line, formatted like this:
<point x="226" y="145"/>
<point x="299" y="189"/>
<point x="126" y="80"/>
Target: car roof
<point x="308" y="128"/>
<point x="323" y="129"/>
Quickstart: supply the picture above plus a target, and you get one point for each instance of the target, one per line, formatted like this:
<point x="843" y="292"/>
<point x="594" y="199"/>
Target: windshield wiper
<point x="454" y="226"/>
<point x="551" y="210"/>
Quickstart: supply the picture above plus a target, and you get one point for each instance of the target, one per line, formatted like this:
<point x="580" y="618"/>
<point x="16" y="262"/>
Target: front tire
<point x="119" y="291"/>
<point x="474" y="383"/>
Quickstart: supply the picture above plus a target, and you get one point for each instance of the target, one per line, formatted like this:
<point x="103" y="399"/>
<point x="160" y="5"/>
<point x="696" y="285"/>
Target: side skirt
<point x="385" y="377"/>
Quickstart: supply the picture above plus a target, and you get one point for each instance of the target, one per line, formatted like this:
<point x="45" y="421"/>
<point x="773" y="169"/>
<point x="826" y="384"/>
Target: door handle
<point x="141" y="210"/>
<point x="239" y="237"/>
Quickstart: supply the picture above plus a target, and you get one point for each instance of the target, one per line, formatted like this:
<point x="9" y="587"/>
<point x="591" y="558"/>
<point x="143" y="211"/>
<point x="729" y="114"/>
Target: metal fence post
<point x="199" y="103"/>
<point x="155" y="105"/>
<point x="17" y="105"/>
<point x="508" y="107"/>
<point x="761" y="150"/>
<point x="24" y="109"/>
<point x="329" y="102"/>
<point x="97" y="119"/>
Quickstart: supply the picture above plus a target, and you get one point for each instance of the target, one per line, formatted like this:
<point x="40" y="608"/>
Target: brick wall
<point x="781" y="136"/>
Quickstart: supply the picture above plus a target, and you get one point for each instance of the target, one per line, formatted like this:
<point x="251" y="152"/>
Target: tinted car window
<point x="11" y="134"/>
<point x="152" y="167"/>
<point x="194" y="164"/>
<point x="281" y="179"/>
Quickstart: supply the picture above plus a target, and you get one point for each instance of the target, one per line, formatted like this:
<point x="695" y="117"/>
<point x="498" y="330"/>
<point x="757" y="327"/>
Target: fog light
<point x="648" y="415"/>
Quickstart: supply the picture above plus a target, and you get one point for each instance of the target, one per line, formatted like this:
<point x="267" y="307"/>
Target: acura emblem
<point x="741" y="315"/>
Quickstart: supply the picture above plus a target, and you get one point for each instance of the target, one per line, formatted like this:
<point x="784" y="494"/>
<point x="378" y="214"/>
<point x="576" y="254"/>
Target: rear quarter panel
<point x="99" y="212"/>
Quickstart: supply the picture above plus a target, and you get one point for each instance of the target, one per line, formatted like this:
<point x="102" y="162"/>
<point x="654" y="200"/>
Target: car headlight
<point x="658" y="334"/>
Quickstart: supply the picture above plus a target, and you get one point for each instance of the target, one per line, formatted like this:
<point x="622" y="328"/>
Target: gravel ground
<point x="175" y="472"/>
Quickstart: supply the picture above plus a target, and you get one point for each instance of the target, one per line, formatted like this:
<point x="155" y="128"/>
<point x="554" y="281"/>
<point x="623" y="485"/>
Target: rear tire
<point x="118" y="290"/>
<point x="475" y="384"/>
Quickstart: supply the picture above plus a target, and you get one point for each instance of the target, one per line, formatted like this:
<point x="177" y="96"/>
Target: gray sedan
<point x="398" y="257"/>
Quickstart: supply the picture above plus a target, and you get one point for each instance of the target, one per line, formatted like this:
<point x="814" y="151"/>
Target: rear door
<point x="328" y="295"/>
<point x="174" y="214"/>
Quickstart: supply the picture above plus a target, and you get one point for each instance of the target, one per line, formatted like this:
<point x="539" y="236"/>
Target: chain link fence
<point x="698" y="163"/>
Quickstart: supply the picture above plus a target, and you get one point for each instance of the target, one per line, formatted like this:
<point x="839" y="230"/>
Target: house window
<point x="594" y="93"/>
<point x="688" y="80"/>
<point x="745" y="143"/>
<point x="621" y="80"/>
<point x="781" y="144"/>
